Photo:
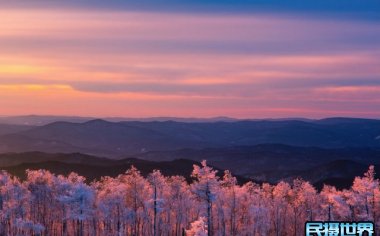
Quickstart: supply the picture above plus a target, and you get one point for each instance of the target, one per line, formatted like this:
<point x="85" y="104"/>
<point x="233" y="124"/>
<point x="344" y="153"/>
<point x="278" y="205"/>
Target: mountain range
<point x="118" y="139"/>
<point x="262" y="150"/>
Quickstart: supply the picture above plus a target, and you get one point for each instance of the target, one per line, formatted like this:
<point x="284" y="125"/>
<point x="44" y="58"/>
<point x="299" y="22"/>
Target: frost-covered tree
<point x="365" y="190"/>
<point x="198" y="228"/>
<point x="280" y="206"/>
<point x="131" y="204"/>
<point x="229" y="198"/>
<point x="365" y="195"/>
<point x="333" y="205"/>
<point x="113" y="213"/>
<point x="16" y="208"/>
<point x="302" y="200"/>
<point x="180" y="202"/>
<point x="137" y="199"/>
<point x="205" y="187"/>
<point x="5" y="180"/>
<point x="158" y="184"/>
<point x="78" y="201"/>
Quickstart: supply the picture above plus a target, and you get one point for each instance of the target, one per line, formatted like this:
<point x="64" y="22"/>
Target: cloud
<point x="186" y="62"/>
<point x="358" y="9"/>
<point x="142" y="32"/>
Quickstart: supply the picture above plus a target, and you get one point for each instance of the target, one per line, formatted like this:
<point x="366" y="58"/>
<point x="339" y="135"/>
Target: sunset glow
<point x="136" y="62"/>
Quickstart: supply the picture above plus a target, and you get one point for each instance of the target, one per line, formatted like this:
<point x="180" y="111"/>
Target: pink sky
<point x="93" y="62"/>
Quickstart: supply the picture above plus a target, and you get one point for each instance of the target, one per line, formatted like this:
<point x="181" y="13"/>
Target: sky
<point x="199" y="58"/>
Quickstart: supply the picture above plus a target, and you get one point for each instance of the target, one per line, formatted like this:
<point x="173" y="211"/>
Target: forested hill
<point x="94" y="168"/>
<point x="336" y="172"/>
<point x="117" y="139"/>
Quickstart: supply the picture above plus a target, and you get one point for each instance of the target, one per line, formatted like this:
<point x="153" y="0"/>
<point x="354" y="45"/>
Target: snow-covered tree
<point x="137" y="199"/>
<point x="280" y="206"/>
<point x="205" y="187"/>
<point x="158" y="183"/>
<point x="131" y="204"/>
<point x="180" y="202"/>
<point x="198" y="228"/>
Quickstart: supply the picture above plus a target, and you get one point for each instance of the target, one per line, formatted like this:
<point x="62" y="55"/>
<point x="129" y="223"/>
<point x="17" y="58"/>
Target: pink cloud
<point x="148" y="64"/>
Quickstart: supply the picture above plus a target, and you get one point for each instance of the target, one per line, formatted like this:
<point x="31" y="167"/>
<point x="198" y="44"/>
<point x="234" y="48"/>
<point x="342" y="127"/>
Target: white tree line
<point x="47" y="204"/>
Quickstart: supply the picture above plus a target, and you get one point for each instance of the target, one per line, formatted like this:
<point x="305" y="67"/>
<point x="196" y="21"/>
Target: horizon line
<point x="186" y="117"/>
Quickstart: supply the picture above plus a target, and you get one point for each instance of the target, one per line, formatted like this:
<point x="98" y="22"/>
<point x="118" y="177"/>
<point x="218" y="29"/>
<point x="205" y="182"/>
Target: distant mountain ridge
<point x="37" y="120"/>
<point x="117" y="139"/>
<point x="40" y="120"/>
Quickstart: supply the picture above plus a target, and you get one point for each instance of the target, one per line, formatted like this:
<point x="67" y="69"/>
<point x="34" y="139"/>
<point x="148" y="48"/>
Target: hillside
<point x="118" y="139"/>
<point x="268" y="162"/>
<point x="93" y="167"/>
<point x="263" y="163"/>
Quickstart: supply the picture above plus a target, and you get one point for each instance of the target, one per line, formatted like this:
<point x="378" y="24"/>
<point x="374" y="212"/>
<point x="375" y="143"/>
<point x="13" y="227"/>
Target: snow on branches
<point x="131" y="204"/>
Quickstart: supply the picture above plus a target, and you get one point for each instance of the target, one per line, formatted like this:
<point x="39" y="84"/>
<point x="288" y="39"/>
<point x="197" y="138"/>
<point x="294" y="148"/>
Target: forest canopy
<point x="130" y="204"/>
